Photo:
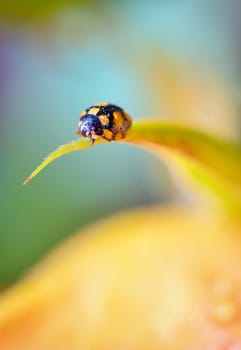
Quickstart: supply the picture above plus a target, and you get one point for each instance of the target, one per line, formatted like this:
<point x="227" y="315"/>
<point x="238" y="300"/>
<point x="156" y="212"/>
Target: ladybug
<point x="104" y="120"/>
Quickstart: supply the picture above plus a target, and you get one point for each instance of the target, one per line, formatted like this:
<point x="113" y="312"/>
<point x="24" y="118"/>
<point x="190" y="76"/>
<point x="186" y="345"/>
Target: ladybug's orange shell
<point x="104" y="120"/>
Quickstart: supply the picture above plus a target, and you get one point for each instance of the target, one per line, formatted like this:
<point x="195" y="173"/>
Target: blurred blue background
<point x="178" y="60"/>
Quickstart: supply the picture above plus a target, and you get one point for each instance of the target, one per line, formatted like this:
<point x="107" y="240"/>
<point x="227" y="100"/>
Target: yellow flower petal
<point x="150" y="279"/>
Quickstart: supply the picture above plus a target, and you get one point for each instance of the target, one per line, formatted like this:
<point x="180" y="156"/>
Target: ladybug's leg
<point x="92" y="141"/>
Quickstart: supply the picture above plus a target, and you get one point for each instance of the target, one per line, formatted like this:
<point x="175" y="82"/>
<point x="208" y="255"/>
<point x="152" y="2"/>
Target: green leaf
<point x="213" y="163"/>
<point x="75" y="145"/>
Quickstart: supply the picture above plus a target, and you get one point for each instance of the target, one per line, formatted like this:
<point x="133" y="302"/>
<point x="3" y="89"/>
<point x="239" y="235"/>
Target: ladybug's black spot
<point x="108" y="111"/>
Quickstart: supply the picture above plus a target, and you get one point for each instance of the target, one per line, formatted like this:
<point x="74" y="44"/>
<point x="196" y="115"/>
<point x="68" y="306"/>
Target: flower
<point x="152" y="278"/>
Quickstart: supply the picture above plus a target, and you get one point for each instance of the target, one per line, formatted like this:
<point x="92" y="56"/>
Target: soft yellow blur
<point x="150" y="279"/>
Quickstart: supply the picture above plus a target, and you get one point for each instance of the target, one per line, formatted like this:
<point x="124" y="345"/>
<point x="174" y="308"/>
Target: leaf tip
<point x="27" y="180"/>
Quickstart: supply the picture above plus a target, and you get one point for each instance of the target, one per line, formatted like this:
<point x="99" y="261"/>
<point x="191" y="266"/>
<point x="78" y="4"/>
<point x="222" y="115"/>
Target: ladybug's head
<point x="90" y="126"/>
